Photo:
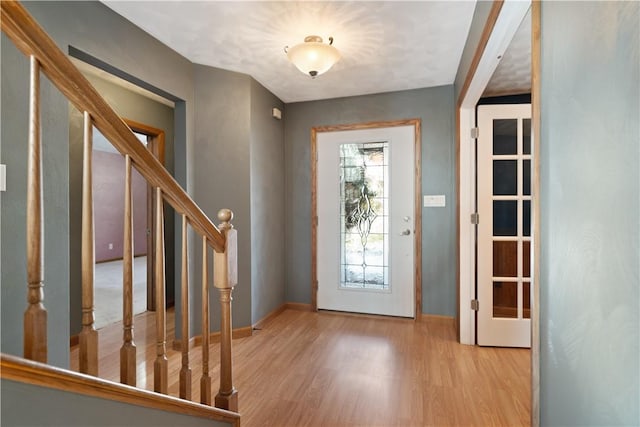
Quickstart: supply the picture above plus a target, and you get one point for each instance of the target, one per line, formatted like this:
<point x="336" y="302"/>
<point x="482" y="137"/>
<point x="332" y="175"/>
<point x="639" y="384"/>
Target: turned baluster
<point x="225" y="268"/>
<point x="88" y="335"/>
<point x="185" y="371"/>
<point x="161" y="364"/>
<point x="128" y="349"/>
<point x="35" y="316"/>
<point x="205" y="380"/>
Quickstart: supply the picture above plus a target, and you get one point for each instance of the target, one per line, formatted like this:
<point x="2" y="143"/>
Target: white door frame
<point x="417" y="198"/>
<point x="503" y="22"/>
<point x="466" y="119"/>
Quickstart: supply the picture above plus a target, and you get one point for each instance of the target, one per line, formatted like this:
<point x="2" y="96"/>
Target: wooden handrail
<point x="27" y="35"/>
<point x="26" y="371"/>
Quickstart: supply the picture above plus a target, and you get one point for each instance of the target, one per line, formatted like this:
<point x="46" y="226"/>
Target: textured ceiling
<point x="385" y="46"/>
<point x="513" y="75"/>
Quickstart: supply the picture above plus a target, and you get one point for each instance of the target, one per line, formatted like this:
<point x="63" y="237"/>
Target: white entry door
<point x="365" y="233"/>
<point x="504" y="229"/>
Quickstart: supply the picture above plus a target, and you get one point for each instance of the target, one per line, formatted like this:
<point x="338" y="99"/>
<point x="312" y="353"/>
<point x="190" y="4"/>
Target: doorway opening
<point x="158" y="116"/>
<point x="108" y="182"/>
<point x="503" y="21"/>
<point x="507" y="22"/>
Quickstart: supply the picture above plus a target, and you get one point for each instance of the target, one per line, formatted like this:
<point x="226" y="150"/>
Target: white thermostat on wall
<point x="276" y="113"/>
<point x="437" y="201"/>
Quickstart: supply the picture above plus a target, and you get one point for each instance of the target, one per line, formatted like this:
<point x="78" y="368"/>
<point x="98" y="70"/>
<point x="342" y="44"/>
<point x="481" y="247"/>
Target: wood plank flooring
<point x="330" y="369"/>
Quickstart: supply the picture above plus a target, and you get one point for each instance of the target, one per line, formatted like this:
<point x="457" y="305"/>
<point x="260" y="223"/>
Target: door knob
<point x="405" y="232"/>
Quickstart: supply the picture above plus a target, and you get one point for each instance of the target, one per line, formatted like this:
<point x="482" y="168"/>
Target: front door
<point x="504" y="228"/>
<point x="365" y="209"/>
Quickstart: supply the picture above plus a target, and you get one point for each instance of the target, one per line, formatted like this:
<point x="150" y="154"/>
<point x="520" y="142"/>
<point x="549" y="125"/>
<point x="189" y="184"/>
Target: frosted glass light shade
<point x="313" y="57"/>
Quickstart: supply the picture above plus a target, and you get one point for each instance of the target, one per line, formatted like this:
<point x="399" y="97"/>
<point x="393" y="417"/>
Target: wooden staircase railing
<point x="47" y="58"/>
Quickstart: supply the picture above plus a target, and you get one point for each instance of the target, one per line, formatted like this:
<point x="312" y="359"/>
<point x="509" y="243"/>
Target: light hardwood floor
<point x="329" y="369"/>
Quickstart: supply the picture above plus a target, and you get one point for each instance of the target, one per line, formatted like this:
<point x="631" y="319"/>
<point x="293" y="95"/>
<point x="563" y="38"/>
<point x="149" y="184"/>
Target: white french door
<point x="504" y="229"/>
<point x="365" y="233"/>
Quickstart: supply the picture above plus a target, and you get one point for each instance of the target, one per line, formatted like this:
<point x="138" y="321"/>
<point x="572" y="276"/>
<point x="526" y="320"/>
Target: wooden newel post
<point x="225" y="277"/>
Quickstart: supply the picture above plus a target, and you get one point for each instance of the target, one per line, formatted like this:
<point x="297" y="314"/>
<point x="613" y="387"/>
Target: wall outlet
<point x="110" y="246"/>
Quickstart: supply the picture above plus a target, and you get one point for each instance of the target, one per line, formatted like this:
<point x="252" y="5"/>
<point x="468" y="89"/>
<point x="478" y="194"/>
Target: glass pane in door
<point x="526" y="177"/>
<point x="526" y="258"/>
<point x="526" y="136"/>
<point x="505" y="218"/>
<point x="526" y="218"/>
<point x="505" y="136"/>
<point x="526" y="300"/>
<point x="364" y="219"/>
<point x="505" y="299"/>
<point x="505" y="177"/>
<point x="505" y="259"/>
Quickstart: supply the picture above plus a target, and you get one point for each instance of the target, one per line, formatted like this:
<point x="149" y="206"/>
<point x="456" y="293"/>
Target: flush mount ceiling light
<point x="313" y="57"/>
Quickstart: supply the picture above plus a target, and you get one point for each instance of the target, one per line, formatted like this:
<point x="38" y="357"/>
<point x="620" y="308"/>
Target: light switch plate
<point x="3" y="177"/>
<point x="434" y="201"/>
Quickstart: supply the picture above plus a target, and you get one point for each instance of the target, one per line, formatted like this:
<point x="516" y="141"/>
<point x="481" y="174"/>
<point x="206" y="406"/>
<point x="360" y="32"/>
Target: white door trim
<point x="467" y="242"/>
<point x="417" y="209"/>
<point x="509" y="17"/>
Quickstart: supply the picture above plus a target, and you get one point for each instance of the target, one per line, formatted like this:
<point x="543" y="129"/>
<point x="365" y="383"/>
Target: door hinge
<point x="475" y="305"/>
<point x="475" y="218"/>
<point x="474" y="133"/>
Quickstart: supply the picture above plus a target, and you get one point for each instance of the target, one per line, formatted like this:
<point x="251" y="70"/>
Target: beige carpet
<point x="108" y="290"/>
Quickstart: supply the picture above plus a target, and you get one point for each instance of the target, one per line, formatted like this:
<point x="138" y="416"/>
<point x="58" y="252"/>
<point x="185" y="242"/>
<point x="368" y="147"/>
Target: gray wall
<point x="70" y="409"/>
<point x="55" y="162"/>
<point x="267" y="204"/>
<point x="434" y="106"/>
<point x="222" y="170"/>
<point x="134" y="107"/>
<point x="590" y="190"/>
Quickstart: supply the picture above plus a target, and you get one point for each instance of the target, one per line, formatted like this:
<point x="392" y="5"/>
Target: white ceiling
<point x="513" y="75"/>
<point x="385" y="46"/>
